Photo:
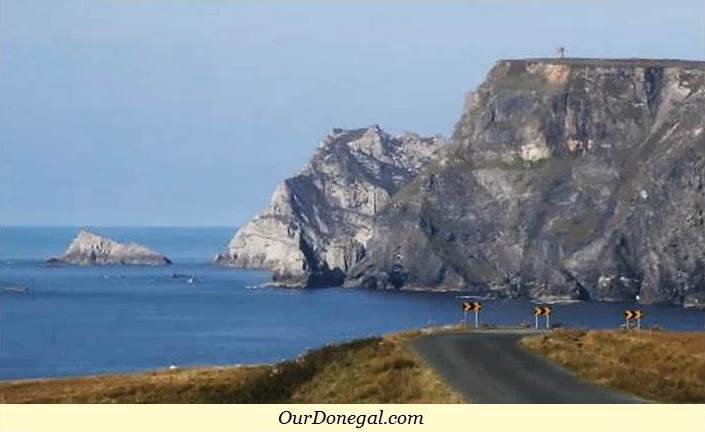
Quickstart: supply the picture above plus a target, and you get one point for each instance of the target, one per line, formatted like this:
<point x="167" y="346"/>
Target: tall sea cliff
<point x="564" y="179"/>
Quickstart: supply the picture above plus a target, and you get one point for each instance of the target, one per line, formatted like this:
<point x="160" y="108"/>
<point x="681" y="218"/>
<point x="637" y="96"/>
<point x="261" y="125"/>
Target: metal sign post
<point x="631" y="314"/>
<point x="474" y="307"/>
<point x="540" y="311"/>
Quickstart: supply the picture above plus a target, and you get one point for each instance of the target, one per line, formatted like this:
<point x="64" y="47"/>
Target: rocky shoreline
<point x="578" y="179"/>
<point x="318" y="222"/>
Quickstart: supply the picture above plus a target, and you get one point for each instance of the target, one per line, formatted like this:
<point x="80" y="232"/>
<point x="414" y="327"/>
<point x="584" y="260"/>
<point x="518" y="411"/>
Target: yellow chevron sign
<point x="472" y="306"/>
<point x="633" y="314"/>
<point x="542" y="311"/>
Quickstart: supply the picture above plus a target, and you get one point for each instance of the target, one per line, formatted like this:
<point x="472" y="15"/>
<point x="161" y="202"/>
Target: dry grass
<point x="374" y="370"/>
<point x="384" y="371"/>
<point x="656" y="365"/>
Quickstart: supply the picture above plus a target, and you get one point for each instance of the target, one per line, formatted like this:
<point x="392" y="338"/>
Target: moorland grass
<point x="372" y="370"/>
<point x="655" y="365"/>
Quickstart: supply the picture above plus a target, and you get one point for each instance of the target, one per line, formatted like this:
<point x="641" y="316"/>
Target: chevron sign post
<point x="540" y="311"/>
<point x="636" y="314"/>
<point x="472" y="307"/>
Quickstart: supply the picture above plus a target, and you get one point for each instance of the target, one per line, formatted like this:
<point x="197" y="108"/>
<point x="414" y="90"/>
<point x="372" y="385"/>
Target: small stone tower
<point x="560" y="52"/>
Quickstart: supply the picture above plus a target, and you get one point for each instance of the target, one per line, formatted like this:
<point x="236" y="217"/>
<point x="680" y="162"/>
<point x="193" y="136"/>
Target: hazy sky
<point x="149" y="112"/>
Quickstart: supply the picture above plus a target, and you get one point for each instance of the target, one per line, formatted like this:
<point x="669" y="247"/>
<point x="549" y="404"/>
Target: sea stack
<point x="92" y="249"/>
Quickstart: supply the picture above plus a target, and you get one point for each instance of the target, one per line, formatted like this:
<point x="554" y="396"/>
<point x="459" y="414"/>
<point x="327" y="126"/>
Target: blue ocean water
<point x="85" y="320"/>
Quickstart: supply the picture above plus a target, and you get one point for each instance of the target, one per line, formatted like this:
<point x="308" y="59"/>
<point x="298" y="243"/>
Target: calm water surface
<point x="75" y="320"/>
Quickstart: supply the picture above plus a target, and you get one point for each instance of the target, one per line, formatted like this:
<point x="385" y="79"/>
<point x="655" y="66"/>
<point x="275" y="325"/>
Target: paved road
<point x="489" y="367"/>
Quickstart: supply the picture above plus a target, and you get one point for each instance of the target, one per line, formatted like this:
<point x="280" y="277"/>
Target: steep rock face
<point x="92" y="249"/>
<point x="318" y="222"/>
<point x="564" y="179"/>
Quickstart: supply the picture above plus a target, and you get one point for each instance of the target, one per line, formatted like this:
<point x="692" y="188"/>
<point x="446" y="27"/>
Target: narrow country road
<point x="490" y="367"/>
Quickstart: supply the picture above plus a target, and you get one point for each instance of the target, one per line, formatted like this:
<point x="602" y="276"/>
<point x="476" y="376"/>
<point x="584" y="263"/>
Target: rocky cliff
<point x="318" y="222"/>
<point x="92" y="249"/>
<point x="564" y="178"/>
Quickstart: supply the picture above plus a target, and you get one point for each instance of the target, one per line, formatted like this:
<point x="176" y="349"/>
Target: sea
<point x="69" y="320"/>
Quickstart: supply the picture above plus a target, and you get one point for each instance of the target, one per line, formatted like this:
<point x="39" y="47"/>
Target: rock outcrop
<point x="92" y="249"/>
<point x="318" y="222"/>
<point x="564" y="179"/>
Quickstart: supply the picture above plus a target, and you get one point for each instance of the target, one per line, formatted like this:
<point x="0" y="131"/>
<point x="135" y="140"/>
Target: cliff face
<point x="318" y="222"/>
<point x="91" y="249"/>
<point x="564" y="178"/>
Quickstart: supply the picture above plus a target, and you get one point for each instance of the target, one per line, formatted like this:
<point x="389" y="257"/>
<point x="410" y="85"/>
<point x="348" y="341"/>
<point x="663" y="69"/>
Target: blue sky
<point x="168" y="112"/>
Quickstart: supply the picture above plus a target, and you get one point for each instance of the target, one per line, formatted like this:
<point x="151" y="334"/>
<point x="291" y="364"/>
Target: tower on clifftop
<point x="560" y="52"/>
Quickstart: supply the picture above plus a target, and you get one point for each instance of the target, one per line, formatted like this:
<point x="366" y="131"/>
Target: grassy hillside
<point x="373" y="370"/>
<point x="656" y="365"/>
